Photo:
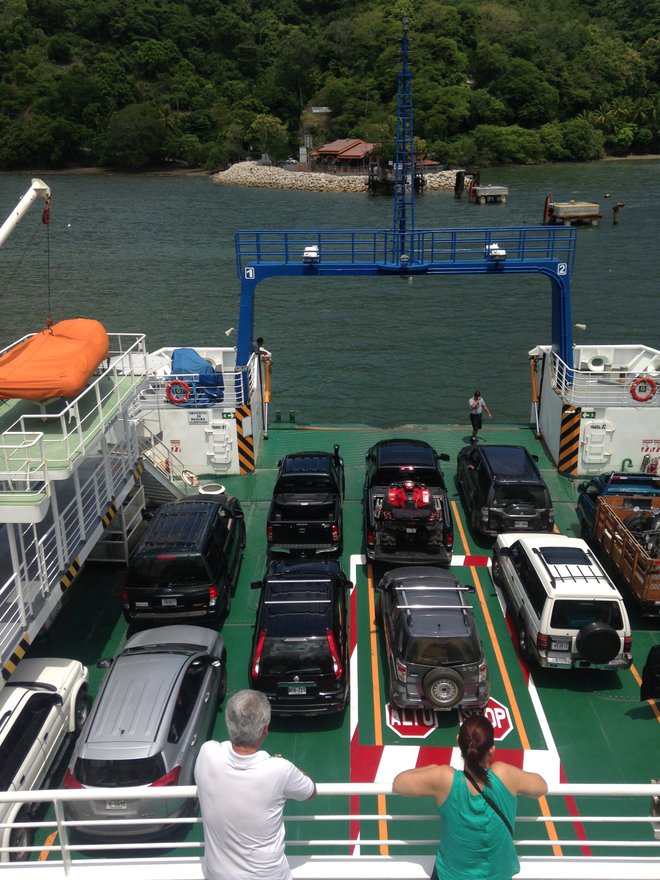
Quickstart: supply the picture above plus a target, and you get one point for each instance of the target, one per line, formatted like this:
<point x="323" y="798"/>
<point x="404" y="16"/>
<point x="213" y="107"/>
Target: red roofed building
<point x="345" y="154"/>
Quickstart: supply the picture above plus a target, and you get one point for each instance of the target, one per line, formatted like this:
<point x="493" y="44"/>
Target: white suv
<point x="42" y="703"/>
<point x="567" y="611"/>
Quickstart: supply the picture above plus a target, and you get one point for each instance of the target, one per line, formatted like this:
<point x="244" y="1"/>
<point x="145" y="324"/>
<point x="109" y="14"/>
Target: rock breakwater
<point x="271" y="177"/>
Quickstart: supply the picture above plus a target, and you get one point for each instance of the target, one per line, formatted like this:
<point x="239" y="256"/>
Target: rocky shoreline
<point x="272" y="177"/>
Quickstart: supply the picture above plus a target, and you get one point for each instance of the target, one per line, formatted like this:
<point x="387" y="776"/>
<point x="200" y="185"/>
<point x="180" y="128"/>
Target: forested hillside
<point x="136" y="83"/>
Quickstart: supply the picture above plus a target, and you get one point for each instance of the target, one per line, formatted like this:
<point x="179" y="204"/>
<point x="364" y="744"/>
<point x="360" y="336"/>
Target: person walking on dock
<point x="477" y="406"/>
<point x="477" y="807"/>
<point x="242" y="791"/>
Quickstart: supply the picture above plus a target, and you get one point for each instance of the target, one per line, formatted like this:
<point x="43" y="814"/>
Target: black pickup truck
<point x="406" y="510"/>
<point x="305" y="513"/>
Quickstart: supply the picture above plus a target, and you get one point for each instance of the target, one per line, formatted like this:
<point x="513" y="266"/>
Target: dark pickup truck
<point x="407" y="518"/>
<point x="305" y="514"/>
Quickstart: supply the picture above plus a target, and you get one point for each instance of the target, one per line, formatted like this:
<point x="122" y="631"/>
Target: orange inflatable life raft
<point x="57" y="362"/>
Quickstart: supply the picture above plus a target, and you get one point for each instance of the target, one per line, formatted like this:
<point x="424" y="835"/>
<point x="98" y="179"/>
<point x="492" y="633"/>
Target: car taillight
<point x="70" y="780"/>
<point x="335" y="534"/>
<point x="370" y="539"/>
<point x="269" y="534"/>
<point x="483" y="673"/>
<point x="257" y="655"/>
<point x="213" y="595"/>
<point x="124" y="597"/>
<point x="401" y="671"/>
<point x="449" y="540"/>
<point x="627" y="645"/>
<point x="166" y="556"/>
<point x="171" y="778"/>
<point x="542" y="643"/>
<point x="334" y="653"/>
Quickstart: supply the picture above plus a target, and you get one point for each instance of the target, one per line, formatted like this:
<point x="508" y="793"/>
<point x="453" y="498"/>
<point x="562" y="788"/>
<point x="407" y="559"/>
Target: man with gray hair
<point x="242" y="791"/>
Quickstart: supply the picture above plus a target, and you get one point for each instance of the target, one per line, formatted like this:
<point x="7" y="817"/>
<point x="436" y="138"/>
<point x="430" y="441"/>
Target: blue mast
<point x="404" y="162"/>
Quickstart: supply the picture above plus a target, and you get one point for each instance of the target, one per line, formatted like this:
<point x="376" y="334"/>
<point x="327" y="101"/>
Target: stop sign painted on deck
<point x="411" y="723"/>
<point x="499" y="716"/>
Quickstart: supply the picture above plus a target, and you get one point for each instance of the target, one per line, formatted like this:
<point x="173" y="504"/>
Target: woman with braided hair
<point x="477" y="807"/>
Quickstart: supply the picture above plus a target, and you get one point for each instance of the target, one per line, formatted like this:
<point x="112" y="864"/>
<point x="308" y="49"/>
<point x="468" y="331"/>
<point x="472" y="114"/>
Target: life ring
<point x="177" y="391"/>
<point x="651" y="385"/>
<point x="190" y="479"/>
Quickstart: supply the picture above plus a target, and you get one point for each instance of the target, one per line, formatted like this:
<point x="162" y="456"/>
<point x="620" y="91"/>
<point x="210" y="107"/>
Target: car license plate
<point x="521" y="524"/>
<point x="410" y="531"/>
<point x="168" y="602"/>
<point x="297" y="690"/>
<point x="560" y="646"/>
<point x="116" y="805"/>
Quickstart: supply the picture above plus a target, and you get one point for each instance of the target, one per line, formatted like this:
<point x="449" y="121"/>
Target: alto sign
<point x="499" y="716"/>
<point x="411" y="723"/>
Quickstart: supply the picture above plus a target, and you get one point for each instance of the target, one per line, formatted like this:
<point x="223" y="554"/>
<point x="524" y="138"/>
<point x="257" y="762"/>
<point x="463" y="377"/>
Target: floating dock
<point x="489" y="194"/>
<point x="573" y="213"/>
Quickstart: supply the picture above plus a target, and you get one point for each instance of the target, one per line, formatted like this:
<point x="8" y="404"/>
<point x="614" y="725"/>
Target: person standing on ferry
<point x="477" y="807"/>
<point x="242" y="791"/>
<point x="477" y="406"/>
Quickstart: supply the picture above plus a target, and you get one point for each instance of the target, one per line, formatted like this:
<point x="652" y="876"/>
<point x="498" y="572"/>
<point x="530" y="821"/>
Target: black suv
<point x="434" y="653"/>
<point x="300" y="652"/>
<point x="187" y="562"/>
<point x="407" y="518"/>
<point x="503" y="491"/>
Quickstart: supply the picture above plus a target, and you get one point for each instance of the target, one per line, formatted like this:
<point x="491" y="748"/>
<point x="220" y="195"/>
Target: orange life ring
<point x="651" y="385"/>
<point x="177" y="391"/>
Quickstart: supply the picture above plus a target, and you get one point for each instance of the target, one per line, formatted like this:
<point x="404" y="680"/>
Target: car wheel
<point x="523" y="643"/>
<point x="21" y="837"/>
<point x="496" y="571"/>
<point x="443" y="688"/>
<point x="598" y="642"/>
<point x="81" y="710"/>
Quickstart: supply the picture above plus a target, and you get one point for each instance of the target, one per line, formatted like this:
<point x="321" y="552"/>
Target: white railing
<point x="561" y="845"/>
<point x="588" y="388"/>
<point x="61" y="436"/>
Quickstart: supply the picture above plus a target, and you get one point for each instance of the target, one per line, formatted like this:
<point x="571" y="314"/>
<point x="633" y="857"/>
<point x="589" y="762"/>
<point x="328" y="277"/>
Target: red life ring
<point x="177" y="391"/>
<point x="650" y="383"/>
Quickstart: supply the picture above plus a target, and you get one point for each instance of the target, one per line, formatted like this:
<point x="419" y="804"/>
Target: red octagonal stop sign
<point x="411" y="723"/>
<point x="499" y="716"/>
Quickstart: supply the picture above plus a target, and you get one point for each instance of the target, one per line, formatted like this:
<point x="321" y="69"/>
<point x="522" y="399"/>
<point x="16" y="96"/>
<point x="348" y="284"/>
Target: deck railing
<point x="593" y="840"/>
<point x="613" y="387"/>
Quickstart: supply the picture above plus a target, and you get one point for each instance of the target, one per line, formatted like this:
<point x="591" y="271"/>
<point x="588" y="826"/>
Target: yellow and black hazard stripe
<point x="569" y="440"/>
<point x="69" y="575"/>
<point x="245" y="444"/>
<point x="137" y="470"/>
<point x="109" y="515"/>
<point x="17" y="655"/>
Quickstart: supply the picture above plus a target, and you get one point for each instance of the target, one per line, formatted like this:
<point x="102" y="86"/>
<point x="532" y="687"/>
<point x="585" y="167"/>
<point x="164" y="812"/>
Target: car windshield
<point x="302" y="484"/>
<point x="115" y="774"/>
<point x="518" y="493"/>
<point x="296" y="656"/>
<point x="167" y="570"/>
<point x="576" y="613"/>
<point x="442" y="652"/>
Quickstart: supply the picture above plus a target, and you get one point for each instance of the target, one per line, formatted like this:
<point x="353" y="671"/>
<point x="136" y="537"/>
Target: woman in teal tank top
<point x="477" y="808"/>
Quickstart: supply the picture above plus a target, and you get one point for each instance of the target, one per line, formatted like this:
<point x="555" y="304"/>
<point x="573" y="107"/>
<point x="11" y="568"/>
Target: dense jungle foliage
<point x="204" y="83"/>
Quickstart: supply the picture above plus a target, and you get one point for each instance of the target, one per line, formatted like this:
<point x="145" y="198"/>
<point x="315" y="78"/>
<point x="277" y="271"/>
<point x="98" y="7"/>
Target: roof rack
<point x="554" y="576"/>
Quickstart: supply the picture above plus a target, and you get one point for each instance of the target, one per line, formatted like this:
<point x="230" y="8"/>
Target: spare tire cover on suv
<point x="598" y="642"/>
<point x="443" y="687"/>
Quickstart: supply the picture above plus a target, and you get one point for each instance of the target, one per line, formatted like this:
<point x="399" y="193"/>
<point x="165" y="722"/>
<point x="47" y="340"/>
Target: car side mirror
<point x="504" y="551"/>
<point x="469" y="588"/>
<point x="582" y="487"/>
<point x="105" y="663"/>
<point x="238" y="514"/>
<point x="444" y="456"/>
<point x="215" y="662"/>
<point x="257" y="585"/>
<point x="534" y="457"/>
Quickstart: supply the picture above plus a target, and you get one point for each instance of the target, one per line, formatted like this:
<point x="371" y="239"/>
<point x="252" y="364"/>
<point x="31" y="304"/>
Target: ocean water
<point x="155" y="254"/>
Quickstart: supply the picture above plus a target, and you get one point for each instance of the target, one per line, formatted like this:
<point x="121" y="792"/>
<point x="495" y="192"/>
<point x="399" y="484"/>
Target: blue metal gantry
<point x="406" y="251"/>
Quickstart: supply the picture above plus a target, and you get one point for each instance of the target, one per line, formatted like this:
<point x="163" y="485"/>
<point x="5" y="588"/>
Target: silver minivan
<point x="155" y="708"/>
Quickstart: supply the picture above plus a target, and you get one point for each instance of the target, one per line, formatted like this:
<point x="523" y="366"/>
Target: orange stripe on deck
<point x="49" y="841"/>
<point x="508" y="687"/>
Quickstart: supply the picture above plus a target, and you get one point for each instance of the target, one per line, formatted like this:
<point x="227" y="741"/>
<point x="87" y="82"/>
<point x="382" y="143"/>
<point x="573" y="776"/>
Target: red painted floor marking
<point x="572" y="808"/>
<point x="477" y="561"/>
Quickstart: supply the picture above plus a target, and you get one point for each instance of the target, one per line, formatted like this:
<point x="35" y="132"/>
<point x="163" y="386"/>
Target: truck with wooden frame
<point x="624" y="553"/>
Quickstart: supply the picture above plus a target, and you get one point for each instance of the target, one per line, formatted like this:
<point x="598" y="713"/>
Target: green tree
<point x="135" y="138"/>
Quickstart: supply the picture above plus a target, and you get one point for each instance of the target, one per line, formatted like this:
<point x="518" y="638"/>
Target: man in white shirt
<point x="242" y="791"/>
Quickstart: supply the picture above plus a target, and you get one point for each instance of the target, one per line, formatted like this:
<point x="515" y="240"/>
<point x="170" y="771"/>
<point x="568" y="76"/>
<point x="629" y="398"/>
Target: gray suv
<point x="155" y="708"/>
<point x="434" y="653"/>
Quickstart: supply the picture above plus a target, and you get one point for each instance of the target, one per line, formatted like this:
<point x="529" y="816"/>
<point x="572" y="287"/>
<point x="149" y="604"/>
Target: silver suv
<point x="435" y="656"/>
<point x="42" y="705"/>
<point x="154" y="710"/>
<point x="567" y="612"/>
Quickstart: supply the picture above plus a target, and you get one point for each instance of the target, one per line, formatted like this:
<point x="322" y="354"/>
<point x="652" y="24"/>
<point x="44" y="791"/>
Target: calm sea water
<point x="155" y="254"/>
